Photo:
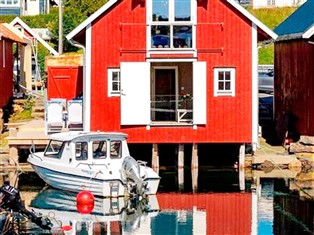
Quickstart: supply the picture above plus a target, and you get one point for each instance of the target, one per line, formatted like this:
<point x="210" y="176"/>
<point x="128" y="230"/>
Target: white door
<point x="135" y="93"/>
<point x="199" y="93"/>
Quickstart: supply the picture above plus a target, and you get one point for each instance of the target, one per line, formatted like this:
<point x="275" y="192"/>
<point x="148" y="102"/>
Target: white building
<point x="26" y="7"/>
<point x="271" y="3"/>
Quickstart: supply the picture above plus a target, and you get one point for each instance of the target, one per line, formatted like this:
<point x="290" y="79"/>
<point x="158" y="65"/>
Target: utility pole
<point x="60" y="29"/>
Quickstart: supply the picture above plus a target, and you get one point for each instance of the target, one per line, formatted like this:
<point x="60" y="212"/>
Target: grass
<point x="3" y="141"/>
<point x="271" y="17"/>
<point x="23" y="115"/>
<point x="26" y="112"/>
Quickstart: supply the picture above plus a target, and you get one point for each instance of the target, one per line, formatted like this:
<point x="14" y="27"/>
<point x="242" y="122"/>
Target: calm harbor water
<point x="268" y="205"/>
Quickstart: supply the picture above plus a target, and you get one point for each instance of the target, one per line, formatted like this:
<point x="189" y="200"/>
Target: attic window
<point x="171" y="24"/>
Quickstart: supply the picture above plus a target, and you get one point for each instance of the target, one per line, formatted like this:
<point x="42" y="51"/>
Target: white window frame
<point x="112" y="92"/>
<point x="171" y="22"/>
<point x="230" y="92"/>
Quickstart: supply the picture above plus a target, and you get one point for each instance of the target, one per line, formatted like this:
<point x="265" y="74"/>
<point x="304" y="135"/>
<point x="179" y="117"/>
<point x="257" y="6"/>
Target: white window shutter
<point x="135" y="93"/>
<point x="199" y="93"/>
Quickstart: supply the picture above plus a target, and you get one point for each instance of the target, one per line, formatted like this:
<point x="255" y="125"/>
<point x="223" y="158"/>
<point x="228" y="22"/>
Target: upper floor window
<point x="9" y="2"/>
<point x="114" y="82"/>
<point x="171" y="23"/>
<point x="224" y="82"/>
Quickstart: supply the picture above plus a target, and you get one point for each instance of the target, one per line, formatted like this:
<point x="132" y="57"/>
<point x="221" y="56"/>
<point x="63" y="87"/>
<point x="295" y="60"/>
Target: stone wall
<point x="304" y="150"/>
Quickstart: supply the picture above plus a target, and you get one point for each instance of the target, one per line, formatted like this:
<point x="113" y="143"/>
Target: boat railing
<point x="34" y="155"/>
<point x="32" y="151"/>
<point x="92" y="164"/>
<point x="140" y="162"/>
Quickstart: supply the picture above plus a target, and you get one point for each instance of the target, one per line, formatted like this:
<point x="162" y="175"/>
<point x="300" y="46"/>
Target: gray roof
<point x="299" y="24"/>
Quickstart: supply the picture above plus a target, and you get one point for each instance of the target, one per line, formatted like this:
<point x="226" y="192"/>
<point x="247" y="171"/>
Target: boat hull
<point x="113" y="187"/>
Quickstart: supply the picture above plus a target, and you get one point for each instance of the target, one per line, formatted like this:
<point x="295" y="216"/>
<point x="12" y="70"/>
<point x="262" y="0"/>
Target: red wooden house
<point x="8" y="36"/>
<point x="176" y="72"/>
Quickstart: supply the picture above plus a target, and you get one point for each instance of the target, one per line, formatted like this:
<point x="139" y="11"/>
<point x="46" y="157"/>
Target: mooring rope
<point x="281" y="170"/>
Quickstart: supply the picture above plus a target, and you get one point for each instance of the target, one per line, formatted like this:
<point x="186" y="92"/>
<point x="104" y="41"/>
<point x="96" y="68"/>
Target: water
<point x="267" y="206"/>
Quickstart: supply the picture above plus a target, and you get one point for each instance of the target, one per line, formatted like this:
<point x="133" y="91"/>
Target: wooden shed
<point x="294" y="74"/>
<point x="8" y="36"/>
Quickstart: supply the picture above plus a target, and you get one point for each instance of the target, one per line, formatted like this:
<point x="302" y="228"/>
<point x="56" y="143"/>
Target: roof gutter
<point x="310" y="42"/>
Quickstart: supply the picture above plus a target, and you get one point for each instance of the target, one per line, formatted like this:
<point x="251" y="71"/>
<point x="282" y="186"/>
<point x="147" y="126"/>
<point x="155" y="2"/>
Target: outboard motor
<point x="10" y="200"/>
<point x="131" y="170"/>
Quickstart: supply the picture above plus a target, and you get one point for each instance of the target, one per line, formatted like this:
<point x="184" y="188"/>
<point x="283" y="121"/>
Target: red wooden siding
<point x="294" y="87"/>
<point x="223" y="39"/>
<point x="225" y="213"/>
<point x="64" y="82"/>
<point x="6" y="73"/>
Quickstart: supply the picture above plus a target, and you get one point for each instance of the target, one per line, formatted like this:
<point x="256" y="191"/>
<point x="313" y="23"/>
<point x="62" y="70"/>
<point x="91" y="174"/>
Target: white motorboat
<point x="96" y="161"/>
<point x="120" y="215"/>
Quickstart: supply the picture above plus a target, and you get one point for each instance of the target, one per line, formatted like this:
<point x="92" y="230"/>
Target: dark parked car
<point x="266" y="82"/>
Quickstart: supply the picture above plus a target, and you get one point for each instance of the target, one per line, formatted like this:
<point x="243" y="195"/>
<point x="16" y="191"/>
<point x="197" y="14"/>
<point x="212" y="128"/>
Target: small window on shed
<point x="114" y="82"/>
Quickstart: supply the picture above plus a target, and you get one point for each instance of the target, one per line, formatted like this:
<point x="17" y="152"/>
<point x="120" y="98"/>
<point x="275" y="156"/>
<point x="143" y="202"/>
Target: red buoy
<point x="66" y="228"/>
<point x="85" y="202"/>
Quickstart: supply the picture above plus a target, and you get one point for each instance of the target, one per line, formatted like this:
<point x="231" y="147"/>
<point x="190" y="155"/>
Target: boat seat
<point x="75" y="115"/>
<point x="54" y="116"/>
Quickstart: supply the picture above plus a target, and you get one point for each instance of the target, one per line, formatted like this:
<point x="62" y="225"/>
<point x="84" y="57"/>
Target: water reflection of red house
<point x="226" y="213"/>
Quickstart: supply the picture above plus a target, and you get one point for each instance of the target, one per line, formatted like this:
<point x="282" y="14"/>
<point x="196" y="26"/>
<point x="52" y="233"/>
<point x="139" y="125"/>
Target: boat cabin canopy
<point x="87" y="145"/>
<point x="79" y="135"/>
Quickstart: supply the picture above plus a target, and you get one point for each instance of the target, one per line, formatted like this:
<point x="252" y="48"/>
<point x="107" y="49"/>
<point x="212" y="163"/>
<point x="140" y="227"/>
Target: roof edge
<point x="107" y="5"/>
<point x="309" y="33"/>
<point x="18" y="20"/>
<point x="17" y="33"/>
<point x="90" y="19"/>
<point x="288" y="37"/>
<point x="252" y="18"/>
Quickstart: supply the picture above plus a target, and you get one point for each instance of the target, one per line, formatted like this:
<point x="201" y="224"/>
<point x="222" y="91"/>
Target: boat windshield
<point x="54" y="149"/>
<point x="115" y="149"/>
<point x="99" y="149"/>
